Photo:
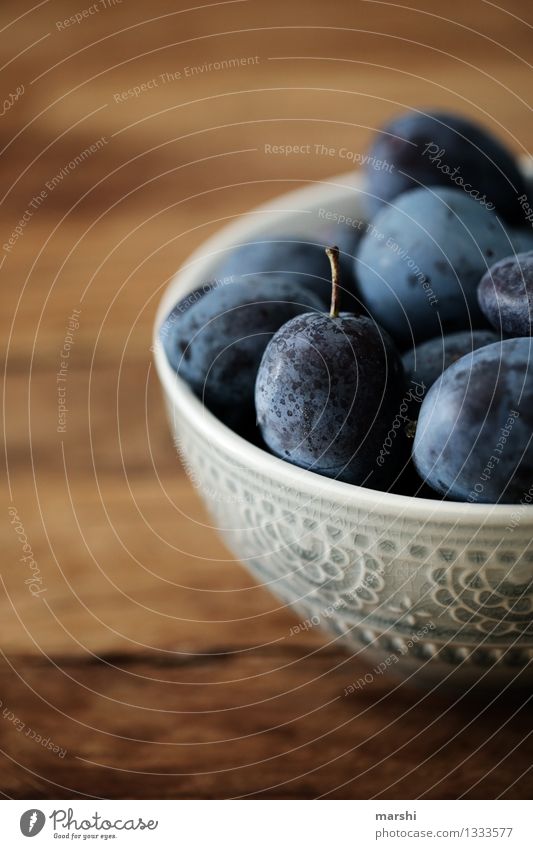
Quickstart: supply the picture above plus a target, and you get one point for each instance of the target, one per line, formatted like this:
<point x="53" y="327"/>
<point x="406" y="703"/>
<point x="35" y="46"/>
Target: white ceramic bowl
<point x="430" y="590"/>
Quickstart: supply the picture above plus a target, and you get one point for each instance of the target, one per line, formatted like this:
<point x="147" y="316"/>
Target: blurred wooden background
<point x="152" y="659"/>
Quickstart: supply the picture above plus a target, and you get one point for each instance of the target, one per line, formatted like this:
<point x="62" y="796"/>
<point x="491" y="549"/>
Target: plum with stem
<point x="327" y="392"/>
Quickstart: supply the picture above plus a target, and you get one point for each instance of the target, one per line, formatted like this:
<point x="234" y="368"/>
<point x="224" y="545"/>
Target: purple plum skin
<point x="473" y="440"/>
<point x="425" y="363"/>
<point x="301" y="260"/>
<point x="326" y="394"/>
<point x="217" y="342"/>
<point x="459" y="148"/>
<point x="420" y="262"/>
<point x="506" y="295"/>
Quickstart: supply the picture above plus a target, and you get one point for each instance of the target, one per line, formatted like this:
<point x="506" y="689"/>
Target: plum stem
<point x="333" y="256"/>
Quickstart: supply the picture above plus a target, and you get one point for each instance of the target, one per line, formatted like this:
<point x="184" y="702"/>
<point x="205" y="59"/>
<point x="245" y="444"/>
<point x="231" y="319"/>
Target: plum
<point x="506" y="294"/>
<point x="425" y="363"/>
<point x="420" y="262"/>
<point x="170" y="329"/>
<point x="473" y="440"/>
<point x="521" y="240"/>
<point x="294" y="257"/>
<point x="440" y="148"/>
<point x="219" y="339"/>
<point x="327" y="392"/>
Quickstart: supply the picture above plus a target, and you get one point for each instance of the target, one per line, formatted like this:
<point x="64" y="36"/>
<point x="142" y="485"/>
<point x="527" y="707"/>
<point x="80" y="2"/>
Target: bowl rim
<point x="191" y="274"/>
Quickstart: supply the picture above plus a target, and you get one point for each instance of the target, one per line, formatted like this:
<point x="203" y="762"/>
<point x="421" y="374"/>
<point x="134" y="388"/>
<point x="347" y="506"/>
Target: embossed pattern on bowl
<point x="430" y="591"/>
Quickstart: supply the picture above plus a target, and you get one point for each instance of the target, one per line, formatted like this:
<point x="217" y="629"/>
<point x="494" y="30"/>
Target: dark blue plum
<point x="443" y="149"/>
<point x="170" y="329"/>
<point x="327" y="393"/>
<point x="296" y="258"/>
<point x="219" y="339"/>
<point x="521" y="240"/>
<point x="506" y="295"/>
<point x="474" y="436"/>
<point x="421" y="260"/>
<point x="425" y="363"/>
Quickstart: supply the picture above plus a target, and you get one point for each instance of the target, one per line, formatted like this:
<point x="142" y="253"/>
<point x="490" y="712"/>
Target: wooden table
<point x="143" y="661"/>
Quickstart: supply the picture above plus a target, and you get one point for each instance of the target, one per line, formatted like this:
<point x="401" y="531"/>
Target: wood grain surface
<point x="150" y="664"/>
